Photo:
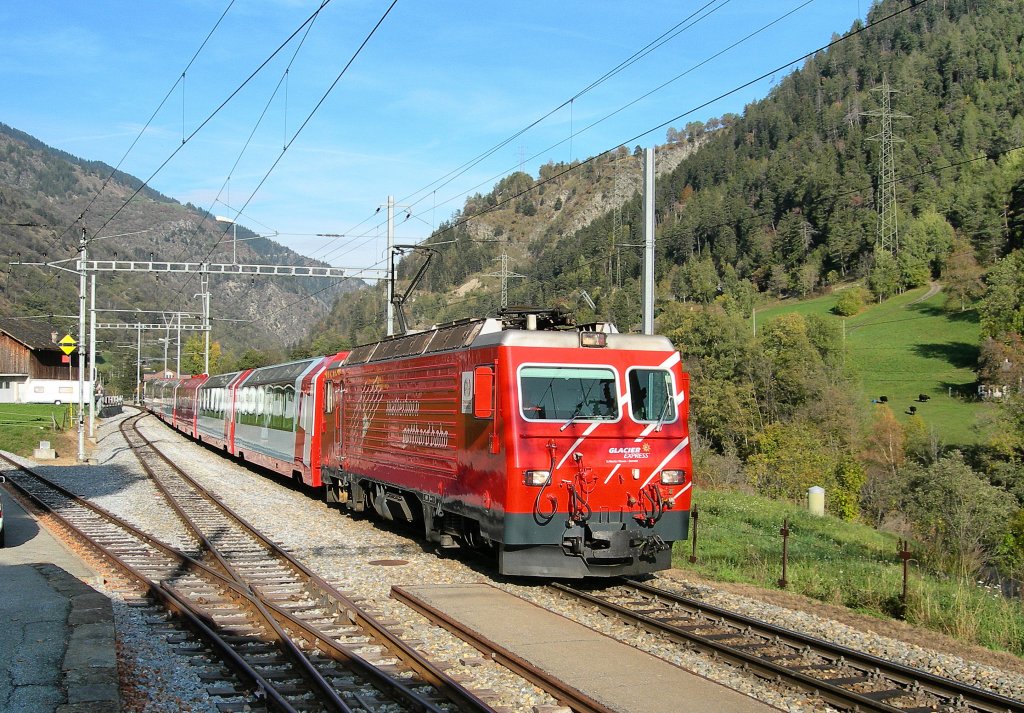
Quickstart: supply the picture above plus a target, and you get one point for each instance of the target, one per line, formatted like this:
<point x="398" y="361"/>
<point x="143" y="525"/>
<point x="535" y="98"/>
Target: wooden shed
<point x="29" y="351"/>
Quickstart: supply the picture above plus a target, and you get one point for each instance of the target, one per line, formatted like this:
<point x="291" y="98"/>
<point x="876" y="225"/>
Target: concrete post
<point x="816" y="500"/>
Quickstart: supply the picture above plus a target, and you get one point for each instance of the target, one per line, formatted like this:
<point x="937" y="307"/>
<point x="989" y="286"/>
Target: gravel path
<point x="343" y="550"/>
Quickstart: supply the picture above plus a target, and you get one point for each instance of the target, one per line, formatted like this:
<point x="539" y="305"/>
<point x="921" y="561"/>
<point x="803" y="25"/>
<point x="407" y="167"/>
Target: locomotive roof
<point x="568" y="339"/>
<point x="470" y="334"/>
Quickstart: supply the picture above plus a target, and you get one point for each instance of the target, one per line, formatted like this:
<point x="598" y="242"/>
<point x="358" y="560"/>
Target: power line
<point x="669" y="34"/>
<point x="156" y="111"/>
<point x="248" y="141"/>
<point x="864" y="28"/>
<point x="501" y="203"/>
<point x="312" y="112"/>
<point x="216" y="111"/>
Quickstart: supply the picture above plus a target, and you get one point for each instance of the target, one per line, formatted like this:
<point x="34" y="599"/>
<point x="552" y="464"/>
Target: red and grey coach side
<point x="215" y="417"/>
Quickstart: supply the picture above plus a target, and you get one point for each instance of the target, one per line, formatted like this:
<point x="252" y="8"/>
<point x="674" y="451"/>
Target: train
<point x="561" y="449"/>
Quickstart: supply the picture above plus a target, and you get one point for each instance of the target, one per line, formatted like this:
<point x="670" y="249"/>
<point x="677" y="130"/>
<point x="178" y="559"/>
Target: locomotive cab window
<point x="651" y="395"/>
<point x="560" y="393"/>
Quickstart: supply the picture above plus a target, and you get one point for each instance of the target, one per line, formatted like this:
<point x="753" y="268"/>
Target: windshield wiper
<point x="575" y="415"/>
<point x="664" y="413"/>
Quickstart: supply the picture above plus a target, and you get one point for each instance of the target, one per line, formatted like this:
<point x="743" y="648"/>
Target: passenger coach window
<point x="557" y="393"/>
<point x="651" y="396"/>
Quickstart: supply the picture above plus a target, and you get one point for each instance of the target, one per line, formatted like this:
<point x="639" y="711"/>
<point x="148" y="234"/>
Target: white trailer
<point x="50" y="391"/>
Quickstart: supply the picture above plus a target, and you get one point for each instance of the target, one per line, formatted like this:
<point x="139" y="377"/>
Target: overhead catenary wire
<point x="248" y="141"/>
<point x="864" y="28"/>
<point x="536" y="185"/>
<point x="310" y="115"/>
<point x="616" y="111"/>
<point x="144" y="184"/>
<point x="446" y="179"/>
<point x="647" y="94"/>
<point x="149" y="121"/>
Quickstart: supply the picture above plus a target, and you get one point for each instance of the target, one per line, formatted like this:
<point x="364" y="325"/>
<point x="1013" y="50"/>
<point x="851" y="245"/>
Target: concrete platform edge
<point x="89" y="668"/>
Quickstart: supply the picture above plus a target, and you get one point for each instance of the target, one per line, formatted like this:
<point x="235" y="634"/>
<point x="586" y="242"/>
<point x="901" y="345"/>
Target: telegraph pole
<point x="391" y="272"/>
<point x="204" y="281"/>
<point x="138" y="366"/>
<point x="92" y="356"/>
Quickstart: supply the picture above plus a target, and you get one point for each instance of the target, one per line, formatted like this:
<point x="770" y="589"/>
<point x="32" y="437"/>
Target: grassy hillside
<point x="908" y="346"/>
<point x="842" y="563"/>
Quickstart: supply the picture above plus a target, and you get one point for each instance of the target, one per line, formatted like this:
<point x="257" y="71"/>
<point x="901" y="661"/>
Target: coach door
<point x="333" y="424"/>
<point x="479" y="398"/>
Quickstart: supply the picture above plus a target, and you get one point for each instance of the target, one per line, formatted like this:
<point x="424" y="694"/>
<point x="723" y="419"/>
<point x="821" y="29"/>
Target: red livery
<point x="564" y="451"/>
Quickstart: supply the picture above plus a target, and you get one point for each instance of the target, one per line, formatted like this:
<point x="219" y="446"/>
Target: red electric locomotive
<point x="564" y="450"/>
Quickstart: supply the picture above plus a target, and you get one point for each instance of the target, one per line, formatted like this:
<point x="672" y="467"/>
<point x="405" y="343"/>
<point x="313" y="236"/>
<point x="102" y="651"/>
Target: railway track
<point x="305" y="606"/>
<point x="842" y="677"/>
<point x="284" y="639"/>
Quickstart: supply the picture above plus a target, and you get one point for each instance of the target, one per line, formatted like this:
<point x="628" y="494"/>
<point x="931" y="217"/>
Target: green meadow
<point x="842" y="563"/>
<point x="908" y="346"/>
<point x="22" y="426"/>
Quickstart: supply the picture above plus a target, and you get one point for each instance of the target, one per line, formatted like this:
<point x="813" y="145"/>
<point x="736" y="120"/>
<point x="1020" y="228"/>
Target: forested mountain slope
<point x="780" y="200"/>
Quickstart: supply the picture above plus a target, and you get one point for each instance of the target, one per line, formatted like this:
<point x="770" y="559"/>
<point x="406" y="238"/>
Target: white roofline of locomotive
<point x="566" y="339"/>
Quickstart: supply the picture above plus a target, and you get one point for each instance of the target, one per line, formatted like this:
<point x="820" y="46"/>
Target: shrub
<point x="851" y="301"/>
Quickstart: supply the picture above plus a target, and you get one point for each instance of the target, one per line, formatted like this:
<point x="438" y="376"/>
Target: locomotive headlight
<point x="673" y="477"/>
<point x="593" y="339"/>
<point x="538" y="477"/>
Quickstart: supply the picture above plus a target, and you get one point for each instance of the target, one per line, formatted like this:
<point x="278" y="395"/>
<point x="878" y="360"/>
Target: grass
<point x="903" y="348"/>
<point x="22" y="426"/>
<point x="841" y="563"/>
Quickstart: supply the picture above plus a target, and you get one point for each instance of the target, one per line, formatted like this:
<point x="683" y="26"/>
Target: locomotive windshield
<point x="557" y="393"/>
<point x="651" y="397"/>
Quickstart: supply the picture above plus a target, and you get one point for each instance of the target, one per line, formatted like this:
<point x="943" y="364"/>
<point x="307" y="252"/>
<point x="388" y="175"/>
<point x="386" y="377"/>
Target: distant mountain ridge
<point x="43" y="193"/>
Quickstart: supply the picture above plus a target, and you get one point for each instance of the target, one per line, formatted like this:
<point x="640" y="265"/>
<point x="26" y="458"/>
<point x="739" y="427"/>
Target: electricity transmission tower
<point x="888" y="230"/>
<point x="505" y="276"/>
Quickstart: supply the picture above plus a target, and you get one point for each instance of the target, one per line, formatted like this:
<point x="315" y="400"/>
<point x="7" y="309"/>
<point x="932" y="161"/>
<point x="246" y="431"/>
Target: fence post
<point x="785" y="551"/>
<point x="693" y="550"/>
<point x="904" y="554"/>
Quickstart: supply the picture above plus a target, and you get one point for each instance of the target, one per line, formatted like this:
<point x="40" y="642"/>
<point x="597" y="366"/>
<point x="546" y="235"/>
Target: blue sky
<point x="438" y="84"/>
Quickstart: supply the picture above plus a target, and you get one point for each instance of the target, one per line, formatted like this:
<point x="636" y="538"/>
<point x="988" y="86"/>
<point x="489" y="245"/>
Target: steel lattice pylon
<point x="505" y="276"/>
<point x="888" y="228"/>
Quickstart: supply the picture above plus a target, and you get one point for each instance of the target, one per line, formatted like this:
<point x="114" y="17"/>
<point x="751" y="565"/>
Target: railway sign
<point x="68" y="344"/>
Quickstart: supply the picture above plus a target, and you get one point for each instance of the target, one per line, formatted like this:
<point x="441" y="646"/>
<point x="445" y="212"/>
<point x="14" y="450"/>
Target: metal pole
<point x="92" y="356"/>
<point x="785" y="552"/>
<point x="138" y="367"/>
<point x="234" y="242"/>
<point x="693" y="519"/>
<point x="81" y="338"/>
<point x="178" y="347"/>
<point x="649" y="241"/>
<point x="391" y="271"/>
<point x="205" y="280"/>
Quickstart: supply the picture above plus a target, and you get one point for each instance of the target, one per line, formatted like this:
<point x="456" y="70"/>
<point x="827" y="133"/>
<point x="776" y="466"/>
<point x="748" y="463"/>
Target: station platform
<point x="614" y="674"/>
<point x="56" y="631"/>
